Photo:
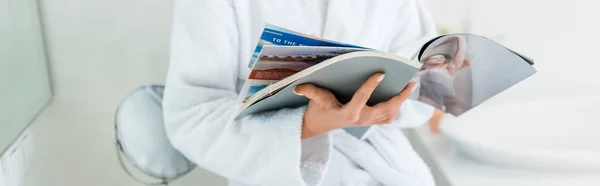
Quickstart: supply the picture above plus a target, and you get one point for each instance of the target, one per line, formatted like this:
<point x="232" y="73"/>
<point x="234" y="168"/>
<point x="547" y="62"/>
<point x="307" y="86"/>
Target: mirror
<point x="24" y="78"/>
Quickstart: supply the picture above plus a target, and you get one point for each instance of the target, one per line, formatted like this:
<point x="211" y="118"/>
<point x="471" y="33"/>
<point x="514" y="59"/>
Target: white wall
<point x="99" y="52"/>
<point x="561" y="36"/>
<point x="24" y="80"/>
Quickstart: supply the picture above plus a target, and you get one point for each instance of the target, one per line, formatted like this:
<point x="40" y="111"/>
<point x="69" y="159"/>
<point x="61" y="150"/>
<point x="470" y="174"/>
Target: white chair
<point x="141" y="137"/>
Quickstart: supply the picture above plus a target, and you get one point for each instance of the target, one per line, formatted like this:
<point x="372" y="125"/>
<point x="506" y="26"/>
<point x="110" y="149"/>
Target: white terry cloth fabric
<point x="212" y="42"/>
<point x="384" y="158"/>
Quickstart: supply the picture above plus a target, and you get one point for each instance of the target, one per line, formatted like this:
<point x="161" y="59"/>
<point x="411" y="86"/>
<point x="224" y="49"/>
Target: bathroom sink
<point x="544" y="134"/>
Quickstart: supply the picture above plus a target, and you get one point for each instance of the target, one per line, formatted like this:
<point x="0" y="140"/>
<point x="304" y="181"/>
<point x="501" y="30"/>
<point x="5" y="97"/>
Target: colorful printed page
<point x="277" y="36"/>
<point x="273" y="35"/>
<point x="279" y="62"/>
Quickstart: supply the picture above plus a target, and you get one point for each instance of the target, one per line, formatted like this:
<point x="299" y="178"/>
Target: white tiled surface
<point x="15" y="162"/>
<point x="2" y="179"/>
<point x="24" y="81"/>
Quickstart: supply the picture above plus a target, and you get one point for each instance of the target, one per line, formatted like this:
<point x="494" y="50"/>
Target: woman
<point x="212" y="42"/>
<point x="438" y="72"/>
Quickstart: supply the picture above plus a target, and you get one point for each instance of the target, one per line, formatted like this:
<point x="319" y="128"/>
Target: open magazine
<point x="456" y="72"/>
<point x="460" y="71"/>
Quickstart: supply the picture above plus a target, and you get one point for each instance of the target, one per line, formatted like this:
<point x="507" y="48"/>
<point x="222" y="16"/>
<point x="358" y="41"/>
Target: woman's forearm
<point x="434" y="121"/>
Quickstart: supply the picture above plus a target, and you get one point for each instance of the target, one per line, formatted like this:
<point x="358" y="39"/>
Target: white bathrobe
<point x="212" y="42"/>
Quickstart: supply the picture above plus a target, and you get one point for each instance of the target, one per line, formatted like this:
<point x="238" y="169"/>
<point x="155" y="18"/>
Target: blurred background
<point x="67" y="64"/>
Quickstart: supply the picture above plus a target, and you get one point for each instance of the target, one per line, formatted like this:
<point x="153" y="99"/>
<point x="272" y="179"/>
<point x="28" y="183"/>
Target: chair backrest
<point x="141" y="136"/>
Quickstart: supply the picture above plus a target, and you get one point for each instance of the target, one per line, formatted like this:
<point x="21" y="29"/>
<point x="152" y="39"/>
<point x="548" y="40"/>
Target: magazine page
<point x="279" y="62"/>
<point x="273" y="35"/>
<point x="460" y="71"/>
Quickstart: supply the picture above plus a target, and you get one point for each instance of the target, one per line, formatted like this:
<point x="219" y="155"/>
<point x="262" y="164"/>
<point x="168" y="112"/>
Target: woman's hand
<point x="326" y="113"/>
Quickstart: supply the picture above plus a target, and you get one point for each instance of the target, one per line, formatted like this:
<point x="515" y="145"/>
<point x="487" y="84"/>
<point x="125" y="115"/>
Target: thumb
<point x="311" y="92"/>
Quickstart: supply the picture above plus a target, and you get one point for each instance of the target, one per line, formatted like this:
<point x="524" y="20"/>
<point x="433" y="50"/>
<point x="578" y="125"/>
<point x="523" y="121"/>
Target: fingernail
<point x="297" y="93"/>
<point x="414" y="87"/>
<point x="380" y="78"/>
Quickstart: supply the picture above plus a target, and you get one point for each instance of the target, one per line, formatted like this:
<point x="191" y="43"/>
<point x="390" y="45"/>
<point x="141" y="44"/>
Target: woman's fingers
<point x="386" y="112"/>
<point x="362" y="95"/>
<point x="378" y="114"/>
<point x="390" y="109"/>
<point x="356" y="111"/>
<point x="313" y="93"/>
<point x="404" y="94"/>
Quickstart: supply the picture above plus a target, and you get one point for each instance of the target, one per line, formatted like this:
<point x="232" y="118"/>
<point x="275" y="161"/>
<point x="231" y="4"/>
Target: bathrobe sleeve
<point x="200" y="106"/>
<point x="412" y="114"/>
